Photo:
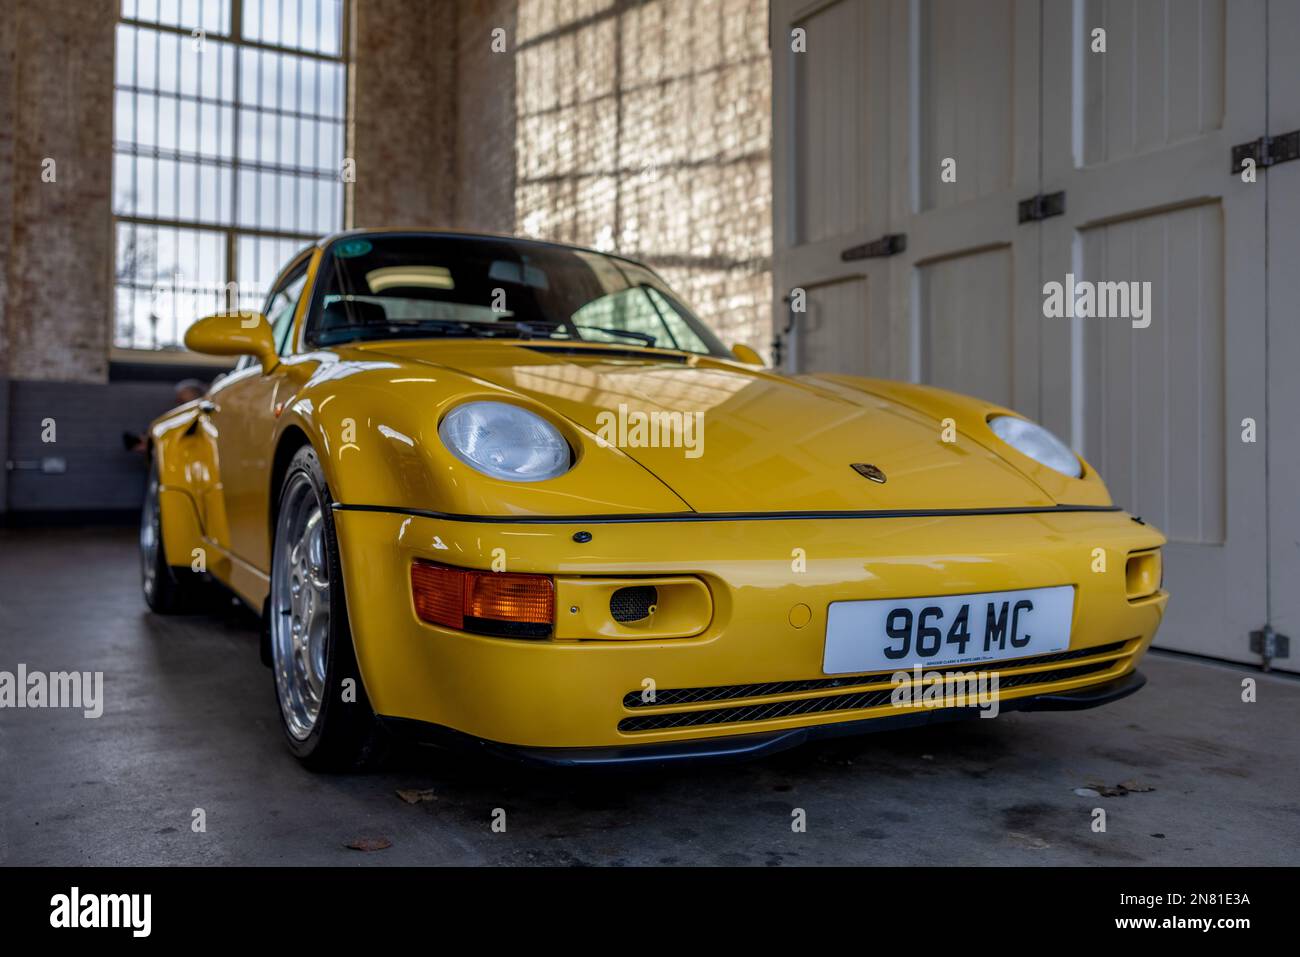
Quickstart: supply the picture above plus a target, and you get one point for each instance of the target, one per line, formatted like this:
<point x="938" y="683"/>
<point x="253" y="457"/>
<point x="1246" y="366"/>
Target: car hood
<point x="741" y="439"/>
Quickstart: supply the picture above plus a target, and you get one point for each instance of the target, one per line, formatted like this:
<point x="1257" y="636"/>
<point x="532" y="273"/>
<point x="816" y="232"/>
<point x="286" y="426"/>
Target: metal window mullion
<point x="316" y="127"/>
<point x="176" y="191"/>
<point x="236" y="107"/>
<point x="297" y="142"/>
<point x="279" y="120"/>
<point x="198" y="117"/>
<point x="231" y="303"/>
<point x="220" y="87"/>
<point x="175" y="224"/>
<point x="296" y="114"/>
<point x="257" y="180"/>
<point x="347" y="131"/>
<point x="198" y="158"/>
<point x="234" y="36"/>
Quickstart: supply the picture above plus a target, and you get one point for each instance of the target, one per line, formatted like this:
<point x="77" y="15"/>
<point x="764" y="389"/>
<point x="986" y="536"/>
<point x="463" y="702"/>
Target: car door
<point x="241" y="420"/>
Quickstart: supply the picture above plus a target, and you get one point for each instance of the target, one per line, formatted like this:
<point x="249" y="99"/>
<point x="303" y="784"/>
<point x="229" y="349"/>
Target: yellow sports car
<point x="515" y="494"/>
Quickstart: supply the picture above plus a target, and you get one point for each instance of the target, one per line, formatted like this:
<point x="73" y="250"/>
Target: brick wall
<point x="645" y="127"/>
<point x="487" y="112"/>
<point x="404" y="109"/>
<point x="8" y="63"/>
<point x="641" y="126"/>
<point x="59" y="240"/>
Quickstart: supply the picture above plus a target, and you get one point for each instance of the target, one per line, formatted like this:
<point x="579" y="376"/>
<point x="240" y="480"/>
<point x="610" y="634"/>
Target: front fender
<point x="374" y="424"/>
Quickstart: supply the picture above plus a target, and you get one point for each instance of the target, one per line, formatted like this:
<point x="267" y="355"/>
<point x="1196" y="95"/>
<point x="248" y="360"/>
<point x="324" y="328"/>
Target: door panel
<point x="966" y="305"/>
<point x="1281" y="435"/>
<point x="838" y="332"/>
<point x="840" y="161"/>
<point x="1140" y="138"/>
<point x="1165" y="381"/>
<point x="967" y="98"/>
<point x="1168" y="54"/>
<point x="832" y="174"/>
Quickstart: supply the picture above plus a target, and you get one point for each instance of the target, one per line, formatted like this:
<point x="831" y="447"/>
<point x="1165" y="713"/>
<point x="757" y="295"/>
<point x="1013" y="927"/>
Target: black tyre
<point x="324" y="711"/>
<point x="167" y="590"/>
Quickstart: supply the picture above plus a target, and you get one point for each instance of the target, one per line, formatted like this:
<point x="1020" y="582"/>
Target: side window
<point x="280" y="307"/>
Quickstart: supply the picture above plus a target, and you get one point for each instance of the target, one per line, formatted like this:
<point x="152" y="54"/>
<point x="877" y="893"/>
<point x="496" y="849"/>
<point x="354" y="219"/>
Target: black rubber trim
<point x="655" y="517"/>
<point x="749" y="746"/>
<point x="566" y="349"/>
<point x="726" y="693"/>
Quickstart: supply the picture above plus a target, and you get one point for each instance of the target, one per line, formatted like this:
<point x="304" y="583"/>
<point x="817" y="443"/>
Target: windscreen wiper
<point x="645" y="337"/>
<point x="375" y="330"/>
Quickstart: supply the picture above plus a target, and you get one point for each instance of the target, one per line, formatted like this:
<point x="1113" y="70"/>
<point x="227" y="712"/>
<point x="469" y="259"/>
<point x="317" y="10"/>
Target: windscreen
<point x="427" y="286"/>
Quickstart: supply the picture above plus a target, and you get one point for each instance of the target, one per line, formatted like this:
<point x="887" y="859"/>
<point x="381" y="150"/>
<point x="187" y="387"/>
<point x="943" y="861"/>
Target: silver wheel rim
<point x="150" y="533"/>
<point x="300" y="606"/>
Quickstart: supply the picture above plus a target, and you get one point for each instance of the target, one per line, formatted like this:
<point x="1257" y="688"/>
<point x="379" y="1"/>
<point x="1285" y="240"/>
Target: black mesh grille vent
<point x="844" y="702"/>
<point x="724" y="692"/>
<point x="633" y="603"/>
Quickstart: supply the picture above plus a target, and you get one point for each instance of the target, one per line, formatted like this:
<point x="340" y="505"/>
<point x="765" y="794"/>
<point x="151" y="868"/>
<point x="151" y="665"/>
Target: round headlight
<point x="1031" y="439"/>
<point x="505" y="441"/>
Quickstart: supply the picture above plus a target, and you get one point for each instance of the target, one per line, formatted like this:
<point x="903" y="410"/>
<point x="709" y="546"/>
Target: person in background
<point x="187" y="390"/>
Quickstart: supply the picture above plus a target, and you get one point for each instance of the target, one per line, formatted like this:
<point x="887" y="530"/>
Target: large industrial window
<point x="228" y="153"/>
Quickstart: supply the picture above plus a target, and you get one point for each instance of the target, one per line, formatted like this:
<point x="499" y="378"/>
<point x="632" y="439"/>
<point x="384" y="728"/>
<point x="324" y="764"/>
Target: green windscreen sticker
<point x="352" y="247"/>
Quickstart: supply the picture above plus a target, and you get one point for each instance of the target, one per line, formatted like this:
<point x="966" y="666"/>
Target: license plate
<point x="894" y="634"/>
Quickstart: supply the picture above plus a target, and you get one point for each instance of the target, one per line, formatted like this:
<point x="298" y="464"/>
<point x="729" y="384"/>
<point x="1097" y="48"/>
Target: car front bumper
<point x="751" y="682"/>
<point x="746" y="747"/>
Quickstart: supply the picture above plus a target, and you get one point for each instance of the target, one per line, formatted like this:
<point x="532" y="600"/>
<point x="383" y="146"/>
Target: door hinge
<point x="1267" y="151"/>
<point x="889" y="245"/>
<point x="1042" y="206"/>
<point x="1268" y="644"/>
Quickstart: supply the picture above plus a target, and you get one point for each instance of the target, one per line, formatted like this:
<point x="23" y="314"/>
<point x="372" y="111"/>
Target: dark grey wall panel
<point x="89" y="421"/>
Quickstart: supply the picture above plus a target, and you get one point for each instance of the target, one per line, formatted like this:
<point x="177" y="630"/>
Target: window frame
<point x="231" y="232"/>
<point x="299" y="268"/>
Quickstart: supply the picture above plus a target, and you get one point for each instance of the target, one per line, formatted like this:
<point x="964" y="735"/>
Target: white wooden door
<point x="1139" y="137"/>
<point x="1282" y="183"/>
<point x="831" y="163"/>
<point x="966" y="130"/>
<point x="864" y="119"/>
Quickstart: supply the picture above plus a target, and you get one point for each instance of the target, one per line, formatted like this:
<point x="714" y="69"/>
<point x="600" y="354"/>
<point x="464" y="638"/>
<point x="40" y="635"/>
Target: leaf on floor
<point x="369" y="843"/>
<point x="415" y="796"/>
<point x="1119" y="790"/>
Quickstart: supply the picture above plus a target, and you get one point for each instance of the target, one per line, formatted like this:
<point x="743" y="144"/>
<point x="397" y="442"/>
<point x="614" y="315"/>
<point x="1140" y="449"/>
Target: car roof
<point x="326" y="240"/>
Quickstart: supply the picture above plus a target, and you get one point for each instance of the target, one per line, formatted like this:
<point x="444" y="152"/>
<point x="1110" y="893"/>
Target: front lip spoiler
<point x="750" y="746"/>
<point x="633" y="518"/>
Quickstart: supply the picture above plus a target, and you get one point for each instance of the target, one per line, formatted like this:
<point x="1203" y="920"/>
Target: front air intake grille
<point x="830" y="703"/>
<point x="633" y="603"/>
<point x="728" y="692"/>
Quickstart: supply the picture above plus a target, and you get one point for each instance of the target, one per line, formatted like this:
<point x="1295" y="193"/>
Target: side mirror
<point x="234" y="334"/>
<point x="747" y="355"/>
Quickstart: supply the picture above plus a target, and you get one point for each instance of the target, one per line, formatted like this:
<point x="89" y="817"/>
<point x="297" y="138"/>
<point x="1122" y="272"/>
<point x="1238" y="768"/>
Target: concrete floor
<point x="189" y="722"/>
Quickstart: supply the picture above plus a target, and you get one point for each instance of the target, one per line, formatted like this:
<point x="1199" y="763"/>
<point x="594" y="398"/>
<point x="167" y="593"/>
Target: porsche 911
<point x="515" y="496"/>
